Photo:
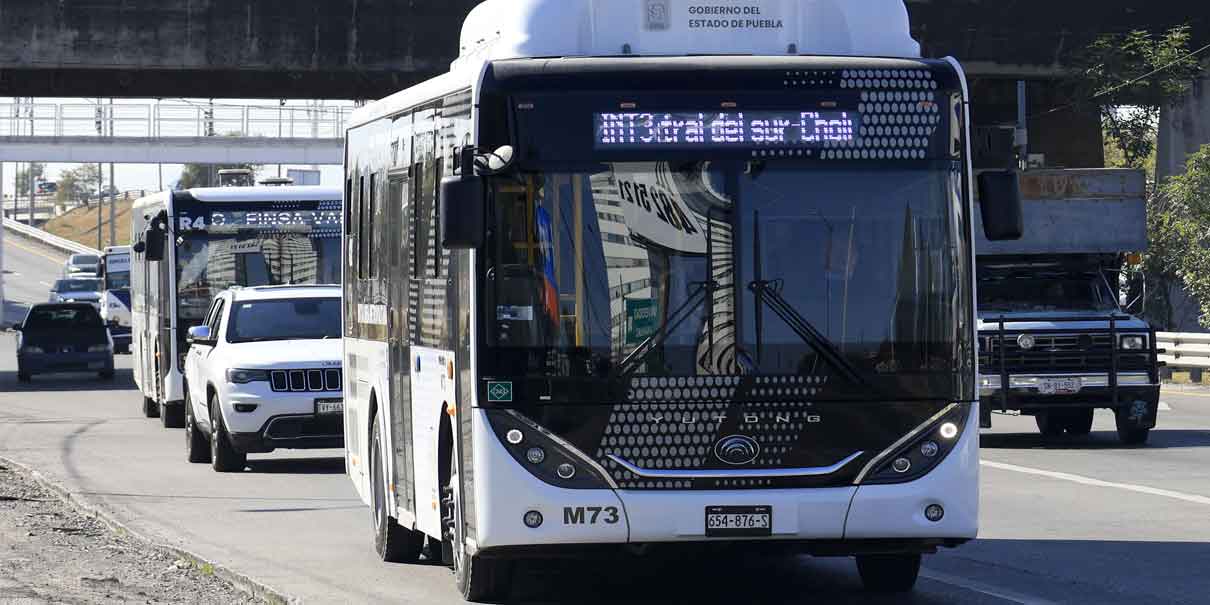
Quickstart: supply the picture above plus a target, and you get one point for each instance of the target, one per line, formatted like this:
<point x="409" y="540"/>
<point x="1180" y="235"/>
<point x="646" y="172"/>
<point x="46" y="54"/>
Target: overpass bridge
<point x="171" y="133"/>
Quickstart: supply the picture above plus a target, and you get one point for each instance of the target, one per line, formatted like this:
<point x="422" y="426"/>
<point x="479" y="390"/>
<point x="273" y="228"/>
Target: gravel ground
<point x="51" y="553"/>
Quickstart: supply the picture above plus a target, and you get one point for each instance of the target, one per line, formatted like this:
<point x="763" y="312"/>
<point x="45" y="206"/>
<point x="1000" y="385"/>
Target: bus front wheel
<point x="478" y="578"/>
<point x="889" y="573"/>
<point x="393" y="542"/>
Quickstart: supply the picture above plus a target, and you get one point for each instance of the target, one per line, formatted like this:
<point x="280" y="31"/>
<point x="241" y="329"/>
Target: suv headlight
<point x="1133" y="343"/>
<point x="246" y="376"/>
<point x="98" y="349"/>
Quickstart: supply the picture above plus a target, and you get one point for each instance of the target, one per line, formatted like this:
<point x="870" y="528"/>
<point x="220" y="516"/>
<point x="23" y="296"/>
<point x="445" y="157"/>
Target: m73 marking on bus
<point x="590" y="515"/>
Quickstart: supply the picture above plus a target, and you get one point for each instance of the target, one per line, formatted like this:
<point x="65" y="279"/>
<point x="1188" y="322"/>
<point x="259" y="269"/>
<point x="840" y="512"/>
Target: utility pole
<point x="100" y="174"/>
<point x="113" y="234"/>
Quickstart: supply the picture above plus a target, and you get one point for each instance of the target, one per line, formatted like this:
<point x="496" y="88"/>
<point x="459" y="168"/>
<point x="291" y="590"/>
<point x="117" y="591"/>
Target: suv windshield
<point x="77" y="285"/>
<point x="85" y="259"/>
<point x="756" y="268"/>
<point x="1087" y="292"/>
<point x="289" y="319"/>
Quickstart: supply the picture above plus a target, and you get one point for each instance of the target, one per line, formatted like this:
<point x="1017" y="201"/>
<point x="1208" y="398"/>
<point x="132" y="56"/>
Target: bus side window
<point x="372" y="242"/>
<point x="438" y="251"/>
<point x="419" y="224"/>
<point x="363" y="231"/>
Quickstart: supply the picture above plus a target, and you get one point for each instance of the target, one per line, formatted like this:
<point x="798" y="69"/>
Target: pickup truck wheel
<point x="197" y="449"/>
<point x="1079" y="422"/>
<point x="393" y="542"/>
<point x="1128" y="433"/>
<point x="223" y="456"/>
<point x="1050" y="424"/>
<point x="151" y="409"/>
<point x="888" y="573"/>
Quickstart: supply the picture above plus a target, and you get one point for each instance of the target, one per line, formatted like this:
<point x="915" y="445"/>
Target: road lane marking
<point x="1186" y="393"/>
<point x="1140" y="489"/>
<point x="981" y="588"/>
<point x="1164" y="407"/>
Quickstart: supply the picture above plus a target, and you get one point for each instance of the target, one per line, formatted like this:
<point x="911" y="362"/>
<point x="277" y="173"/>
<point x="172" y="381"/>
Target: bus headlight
<point x="545" y="455"/>
<point x="924" y="452"/>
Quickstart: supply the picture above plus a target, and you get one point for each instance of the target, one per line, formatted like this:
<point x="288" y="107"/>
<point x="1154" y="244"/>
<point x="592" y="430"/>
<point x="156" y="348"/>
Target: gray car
<point x="75" y="289"/>
<point x="81" y="263"/>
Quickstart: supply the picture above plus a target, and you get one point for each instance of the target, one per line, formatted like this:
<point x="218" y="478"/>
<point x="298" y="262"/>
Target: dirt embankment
<point x="80" y="224"/>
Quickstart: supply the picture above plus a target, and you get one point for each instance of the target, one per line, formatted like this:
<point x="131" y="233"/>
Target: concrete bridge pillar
<point x="1184" y="128"/>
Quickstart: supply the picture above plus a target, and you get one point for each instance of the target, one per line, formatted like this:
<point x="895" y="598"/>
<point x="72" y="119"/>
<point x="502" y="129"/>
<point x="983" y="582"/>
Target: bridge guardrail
<point x="51" y="240"/>
<point x="1184" y="350"/>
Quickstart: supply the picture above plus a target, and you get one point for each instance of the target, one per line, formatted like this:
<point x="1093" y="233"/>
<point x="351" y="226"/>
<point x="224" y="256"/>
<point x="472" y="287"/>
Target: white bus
<point x="190" y="245"/>
<point x="115" y="298"/>
<point x="661" y="272"/>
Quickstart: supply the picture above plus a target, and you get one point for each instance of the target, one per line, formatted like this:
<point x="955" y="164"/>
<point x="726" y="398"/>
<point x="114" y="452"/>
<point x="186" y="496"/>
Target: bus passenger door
<point x="398" y="218"/>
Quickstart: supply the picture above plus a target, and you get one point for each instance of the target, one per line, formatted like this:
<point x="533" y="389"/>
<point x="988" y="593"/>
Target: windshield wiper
<point x="701" y="292"/>
<point x="768" y="293"/>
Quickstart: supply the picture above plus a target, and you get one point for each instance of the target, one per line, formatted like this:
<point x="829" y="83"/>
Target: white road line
<point x="44" y="284"/>
<point x="1141" y="489"/>
<point x="981" y="588"/>
<point x="1164" y="407"/>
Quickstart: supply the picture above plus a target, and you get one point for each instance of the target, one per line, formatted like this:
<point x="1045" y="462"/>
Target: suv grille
<point x="312" y="381"/>
<point x="1057" y="353"/>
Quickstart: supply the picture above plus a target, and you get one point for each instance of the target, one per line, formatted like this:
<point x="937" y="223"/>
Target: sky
<point x="154" y="177"/>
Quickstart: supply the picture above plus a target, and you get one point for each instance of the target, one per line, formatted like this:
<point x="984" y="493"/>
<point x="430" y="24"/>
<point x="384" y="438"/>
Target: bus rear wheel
<point x="889" y="573"/>
<point x="393" y="542"/>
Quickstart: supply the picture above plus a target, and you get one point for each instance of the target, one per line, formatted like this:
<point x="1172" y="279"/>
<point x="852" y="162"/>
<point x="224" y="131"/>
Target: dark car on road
<point x="66" y="337"/>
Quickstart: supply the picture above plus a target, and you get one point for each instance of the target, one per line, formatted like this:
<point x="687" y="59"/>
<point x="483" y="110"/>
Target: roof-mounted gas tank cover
<point x="510" y="29"/>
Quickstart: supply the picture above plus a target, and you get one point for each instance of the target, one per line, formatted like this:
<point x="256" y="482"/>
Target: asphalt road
<point x="1072" y="520"/>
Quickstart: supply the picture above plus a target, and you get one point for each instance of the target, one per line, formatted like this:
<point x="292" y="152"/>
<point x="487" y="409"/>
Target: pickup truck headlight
<point x="247" y="376"/>
<point x="32" y="350"/>
<point x="1133" y="343"/>
<point x="98" y="349"/>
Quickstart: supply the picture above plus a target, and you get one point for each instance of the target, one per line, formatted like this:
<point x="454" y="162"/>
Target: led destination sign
<point x="700" y="129"/>
<point x="236" y="220"/>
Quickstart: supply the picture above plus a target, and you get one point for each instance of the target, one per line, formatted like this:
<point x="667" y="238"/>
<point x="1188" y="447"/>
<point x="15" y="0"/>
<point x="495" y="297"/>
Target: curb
<point x="240" y="581"/>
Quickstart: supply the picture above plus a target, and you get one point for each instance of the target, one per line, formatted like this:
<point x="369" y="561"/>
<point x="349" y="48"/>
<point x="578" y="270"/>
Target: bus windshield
<point x="210" y="262"/>
<point x="744" y="268"/>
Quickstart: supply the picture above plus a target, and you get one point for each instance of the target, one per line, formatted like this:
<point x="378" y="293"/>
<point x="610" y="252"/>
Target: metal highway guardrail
<point x="53" y="241"/>
<point x="1184" y="350"/>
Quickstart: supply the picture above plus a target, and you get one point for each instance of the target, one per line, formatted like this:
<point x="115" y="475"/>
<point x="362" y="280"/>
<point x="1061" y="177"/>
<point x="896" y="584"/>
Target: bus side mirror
<point x="153" y="244"/>
<point x="462" y="212"/>
<point x="1000" y="204"/>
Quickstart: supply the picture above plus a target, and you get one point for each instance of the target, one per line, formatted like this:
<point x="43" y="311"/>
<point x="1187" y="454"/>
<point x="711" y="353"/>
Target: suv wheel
<point x="197" y="448"/>
<point x="223" y="456"/>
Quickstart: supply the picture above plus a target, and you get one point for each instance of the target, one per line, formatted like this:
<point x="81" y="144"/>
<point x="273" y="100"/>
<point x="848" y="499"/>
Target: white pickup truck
<point x="263" y="372"/>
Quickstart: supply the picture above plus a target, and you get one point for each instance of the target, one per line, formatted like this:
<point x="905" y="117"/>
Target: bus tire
<point x="479" y="579"/>
<point x="1079" y="422"/>
<point x="197" y="447"/>
<point x="889" y="573"/>
<point x="151" y="409"/>
<point x="223" y="457"/>
<point x="393" y="542"/>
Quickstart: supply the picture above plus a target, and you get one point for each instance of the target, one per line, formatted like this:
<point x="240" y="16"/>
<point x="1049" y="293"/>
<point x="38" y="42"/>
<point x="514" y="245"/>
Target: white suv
<point x="263" y="372"/>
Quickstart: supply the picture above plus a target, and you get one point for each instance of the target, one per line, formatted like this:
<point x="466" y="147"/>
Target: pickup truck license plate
<point x="329" y="406"/>
<point x="1060" y="386"/>
<point x="739" y="521"/>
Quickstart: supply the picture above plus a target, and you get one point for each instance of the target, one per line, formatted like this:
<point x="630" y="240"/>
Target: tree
<point x="1182" y="224"/>
<point x="77" y="184"/>
<point x="206" y="175"/>
<point x="1130" y="78"/>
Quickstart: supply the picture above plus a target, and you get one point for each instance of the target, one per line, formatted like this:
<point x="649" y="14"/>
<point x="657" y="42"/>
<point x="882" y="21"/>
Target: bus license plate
<point x="329" y="406"/>
<point x="1060" y="386"/>
<point x="730" y="521"/>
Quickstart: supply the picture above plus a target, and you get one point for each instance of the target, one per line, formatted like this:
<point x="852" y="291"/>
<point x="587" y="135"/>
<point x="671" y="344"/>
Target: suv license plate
<point x="741" y="521"/>
<point x="1060" y="386"/>
<point x="329" y="406"/>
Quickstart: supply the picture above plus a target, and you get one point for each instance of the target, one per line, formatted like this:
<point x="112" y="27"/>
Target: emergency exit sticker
<point x="500" y="392"/>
